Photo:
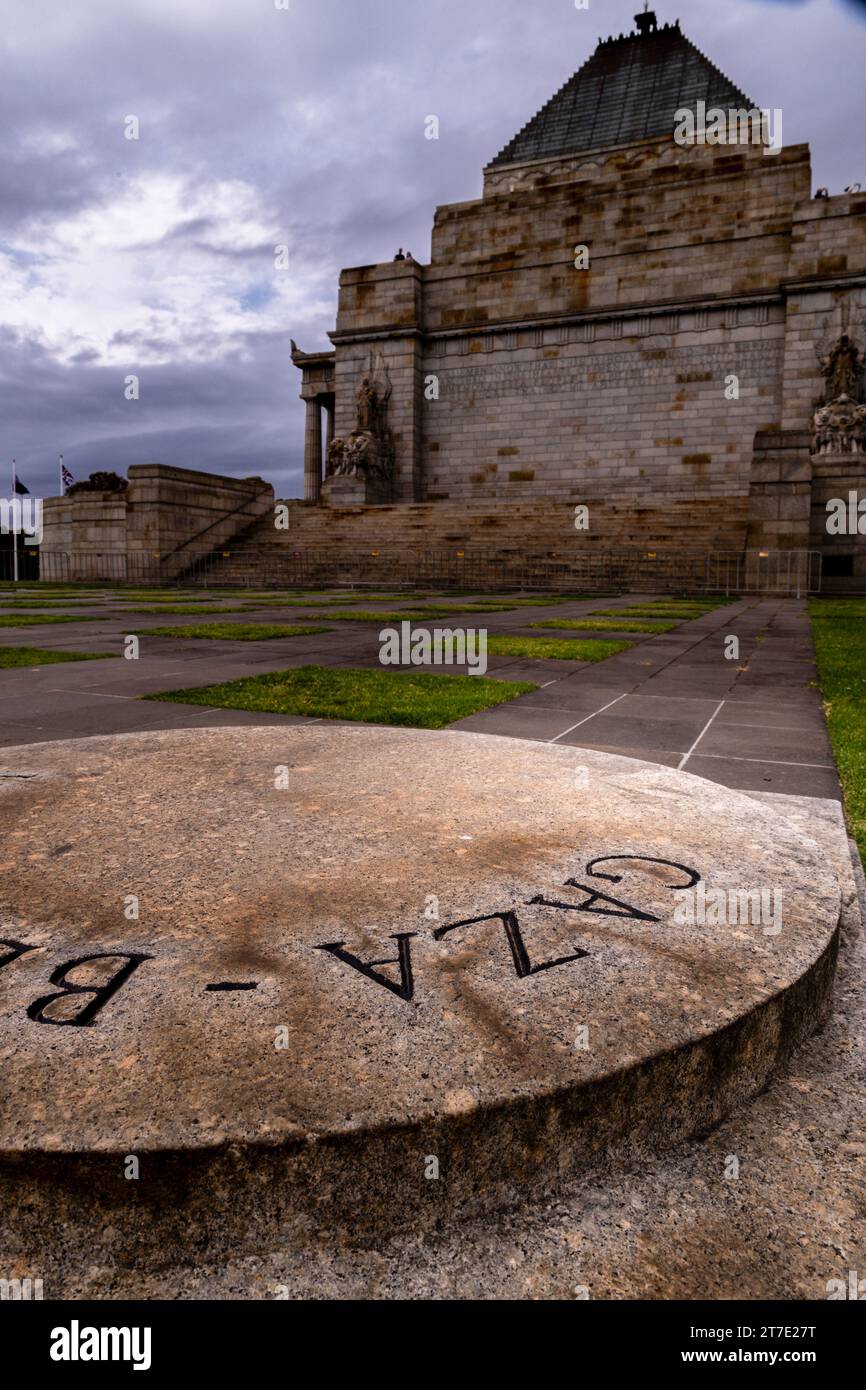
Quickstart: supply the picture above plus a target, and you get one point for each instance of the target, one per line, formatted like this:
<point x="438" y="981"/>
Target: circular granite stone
<point x="444" y="944"/>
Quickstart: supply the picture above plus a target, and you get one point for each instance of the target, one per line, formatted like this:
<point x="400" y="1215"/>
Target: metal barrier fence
<point x="792" y="572"/>
<point x="781" y="572"/>
<point x="69" y="567"/>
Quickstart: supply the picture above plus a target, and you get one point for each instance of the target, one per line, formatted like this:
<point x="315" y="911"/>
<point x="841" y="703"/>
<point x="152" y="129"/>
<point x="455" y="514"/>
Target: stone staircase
<point x="257" y="509"/>
<point x="532" y="544"/>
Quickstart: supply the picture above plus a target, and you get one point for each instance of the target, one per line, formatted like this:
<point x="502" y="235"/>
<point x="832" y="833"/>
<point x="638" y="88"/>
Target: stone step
<point x="234" y="527"/>
<point x="411" y="543"/>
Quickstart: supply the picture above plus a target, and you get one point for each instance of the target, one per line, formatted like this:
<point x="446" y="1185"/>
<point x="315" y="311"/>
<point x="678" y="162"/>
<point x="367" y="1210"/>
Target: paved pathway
<point x="755" y="723"/>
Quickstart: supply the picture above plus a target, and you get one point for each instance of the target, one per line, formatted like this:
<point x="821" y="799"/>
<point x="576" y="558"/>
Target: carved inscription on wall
<point x="609" y="371"/>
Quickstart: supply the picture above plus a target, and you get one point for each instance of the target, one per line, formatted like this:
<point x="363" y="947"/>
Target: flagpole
<point x="62" y="488"/>
<point x="14" y="527"/>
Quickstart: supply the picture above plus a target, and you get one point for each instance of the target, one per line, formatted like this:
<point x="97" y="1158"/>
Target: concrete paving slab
<point x="644" y="706"/>
<point x="657" y="756"/>
<point x="517" y="721"/>
<point x="565" y="695"/>
<point x="786" y="778"/>
<point x="675" y="680"/>
<point x="799" y="745"/>
<point x="613" y="730"/>
<point x="743" y="713"/>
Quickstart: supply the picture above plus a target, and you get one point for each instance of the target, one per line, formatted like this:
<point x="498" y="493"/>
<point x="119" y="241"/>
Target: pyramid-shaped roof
<point x="629" y="89"/>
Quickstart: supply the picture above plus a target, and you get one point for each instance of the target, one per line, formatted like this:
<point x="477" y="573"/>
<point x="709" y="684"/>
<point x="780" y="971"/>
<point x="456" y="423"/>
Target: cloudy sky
<point x="300" y="126"/>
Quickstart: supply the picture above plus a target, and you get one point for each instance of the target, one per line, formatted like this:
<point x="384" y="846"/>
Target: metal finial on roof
<point x="646" y="22"/>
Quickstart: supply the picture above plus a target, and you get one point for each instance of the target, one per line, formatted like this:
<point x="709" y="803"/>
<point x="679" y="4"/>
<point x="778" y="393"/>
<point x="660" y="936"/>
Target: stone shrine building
<point x="621" y="321"/>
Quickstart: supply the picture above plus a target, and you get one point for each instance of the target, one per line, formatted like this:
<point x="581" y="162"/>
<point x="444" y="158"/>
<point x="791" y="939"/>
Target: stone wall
<point x="626" y="407"/>
<point x="173" y="507"/>
<point x="520" y="377"/>
<point x="661" y="222"/>
<point x="389" y="295"/>
<point x="164" y="513"/>
<point x="89" y="522"/>
<point x="835" y="477"/>
<point x="780" y="490"/>
<point x="538" y="378"/>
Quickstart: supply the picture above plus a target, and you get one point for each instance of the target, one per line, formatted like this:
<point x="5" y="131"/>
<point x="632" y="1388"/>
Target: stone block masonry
<point x="619" y="319"/>
<point x="164" y="515"/>
<point x="645" y="417"/>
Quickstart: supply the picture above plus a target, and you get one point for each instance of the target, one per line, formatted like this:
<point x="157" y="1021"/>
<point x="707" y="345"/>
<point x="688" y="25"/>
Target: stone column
<point x="331" y="408"/>
<point x="313" y="452"/>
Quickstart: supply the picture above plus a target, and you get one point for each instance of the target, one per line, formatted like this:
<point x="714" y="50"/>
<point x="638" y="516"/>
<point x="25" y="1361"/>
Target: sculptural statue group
<point x="839" y="422"/>
<point x="368" y="452"/>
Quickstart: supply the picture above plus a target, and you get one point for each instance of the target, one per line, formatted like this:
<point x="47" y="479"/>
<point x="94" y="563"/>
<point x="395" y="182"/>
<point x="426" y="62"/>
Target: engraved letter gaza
<point x="522" y="964"/>
<point x="406" y="987"/>
<point x="101" y="993"/>
<point x="616" y="907"/>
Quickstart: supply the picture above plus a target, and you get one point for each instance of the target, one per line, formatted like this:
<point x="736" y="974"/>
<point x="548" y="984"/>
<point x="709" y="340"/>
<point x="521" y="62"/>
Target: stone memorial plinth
<point x="321" y="978"/>
<point x="355" y="491"/>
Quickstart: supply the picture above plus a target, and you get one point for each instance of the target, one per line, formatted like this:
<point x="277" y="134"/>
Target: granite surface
<point x="469" y="1050"/>
<point x="673" y="1226"/>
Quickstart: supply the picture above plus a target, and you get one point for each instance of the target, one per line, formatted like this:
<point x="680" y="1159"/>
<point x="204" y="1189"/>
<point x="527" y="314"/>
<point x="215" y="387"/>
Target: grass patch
<point x="159" y="600"/>
<point x="555" y="648"/>
<point x="550" y="602"/>
<point x="839" y="633"/>
<point x="420" y="615"/>
<point x="445" y="608"/>
<point x="363" y="596"/>
<point x="492" y="606"/>
<point x="36" y="586"/>
<point x="437" y="609"/>
<point x="301" y="603"/>
<point x="260" y="593"/>
<point x="358" y="596"/>
<point x="702" y="599"/>
<point x="609" y="625"/>
<point x="183" y="608"/>
<point x="484" y="605"/>
<point x="683" y="615"/>
<point x="323" y="595"/>
<point x="408" y="699"/>
<point x="520" y="596"/>
<point x="234" y="632"/>
<point x="455" y="610"/>
<point x="41" y="619"/>
<point x="837" y="608"/>
<point x="39" y="656"/>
